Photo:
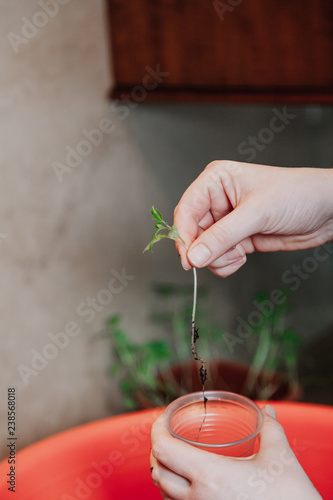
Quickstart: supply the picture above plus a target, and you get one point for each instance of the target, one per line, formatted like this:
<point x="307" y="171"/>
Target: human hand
<point x="233" y="209"/>
<point x="183" y="472"/>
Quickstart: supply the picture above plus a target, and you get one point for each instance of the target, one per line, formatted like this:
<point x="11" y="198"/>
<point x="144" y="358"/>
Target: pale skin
<point x="230" y="210"/>
<point x="252" y="208"/>
<point x="182" y="472"/>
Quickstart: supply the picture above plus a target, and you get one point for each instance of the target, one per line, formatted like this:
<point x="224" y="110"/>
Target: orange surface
<point x="109" y="459"/>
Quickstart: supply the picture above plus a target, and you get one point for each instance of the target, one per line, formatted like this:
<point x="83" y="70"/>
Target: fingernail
<point x="270" y="411"/>
<point x="235" y="253"/>
<point x="199" y="255"/>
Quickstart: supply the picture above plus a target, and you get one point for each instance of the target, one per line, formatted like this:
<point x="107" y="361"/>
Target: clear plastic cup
<point x="229" y="426"/>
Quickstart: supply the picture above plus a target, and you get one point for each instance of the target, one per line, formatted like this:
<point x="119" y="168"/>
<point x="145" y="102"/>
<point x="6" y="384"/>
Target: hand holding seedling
<point x="233" y="209"/>
<point x="230" y="210"/>
<point x="183" y="472"/>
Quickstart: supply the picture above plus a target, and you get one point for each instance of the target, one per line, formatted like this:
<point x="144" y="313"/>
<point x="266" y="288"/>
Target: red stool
<point x="109" y="459"/>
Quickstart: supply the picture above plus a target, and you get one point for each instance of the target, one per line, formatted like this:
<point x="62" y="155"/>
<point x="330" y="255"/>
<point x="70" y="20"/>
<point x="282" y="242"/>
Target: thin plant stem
<point x="174" y="235"/>
<point x="194" y="338"/>
<point x="195" y="293"/>
<point x="194" y="333"/>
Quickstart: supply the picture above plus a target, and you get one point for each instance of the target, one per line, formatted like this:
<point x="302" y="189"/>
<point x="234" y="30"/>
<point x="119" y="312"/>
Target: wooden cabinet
<point x="250" y="50"/>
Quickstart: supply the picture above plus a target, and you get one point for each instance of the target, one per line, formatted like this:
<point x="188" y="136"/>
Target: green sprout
<point x="171" y="232"/>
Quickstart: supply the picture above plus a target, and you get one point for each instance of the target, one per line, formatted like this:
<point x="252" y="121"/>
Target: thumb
<point x="223" y="235"/>
<point x="272" y="436"/>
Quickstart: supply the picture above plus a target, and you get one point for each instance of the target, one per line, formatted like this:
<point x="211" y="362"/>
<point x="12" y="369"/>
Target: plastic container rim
<point x="195" y="397"/>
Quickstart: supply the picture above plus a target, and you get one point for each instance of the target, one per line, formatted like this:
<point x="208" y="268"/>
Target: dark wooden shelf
<point x="256" y="51"/>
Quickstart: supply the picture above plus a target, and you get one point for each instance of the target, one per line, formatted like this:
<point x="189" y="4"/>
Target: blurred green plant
<point x="135" y="364"/>
<point x="276" y="351"/>
<point x="272" y="350"/>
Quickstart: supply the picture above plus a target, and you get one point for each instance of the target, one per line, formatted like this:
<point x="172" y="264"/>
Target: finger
<point x="204" y="224"/>
<point x="207" y="221"/>
<point x="273" y="243"/>
<point x="204" y="202"/>
<point x="153" y="463"/>
<point x="272" y="436"/>
<point x="222" y="236"/>
<point x="181" y="458"/>
<point x="188" y="229"/>
<point x="171" y="484"/>
<point x="232" y="256"/>
<point x="225" y="271"/>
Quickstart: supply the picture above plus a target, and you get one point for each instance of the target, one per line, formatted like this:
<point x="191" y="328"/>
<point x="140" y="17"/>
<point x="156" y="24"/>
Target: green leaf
<point x="130" y="403"/>
<point x="124" y="348"/>
<point x="148" y="247"/>
<point x="127" y="386"/>
<point x="157" y="350"/>
<point x="174" y="234"/>
<point x="121" y="338"/>
<point x="115" y="370"/>
<point x="156" y="238"/>
<point x="114" y="320"/>
<point x="156" y="214"/>
<point x="149" y="380"/>
<point x="291" y="337"/>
